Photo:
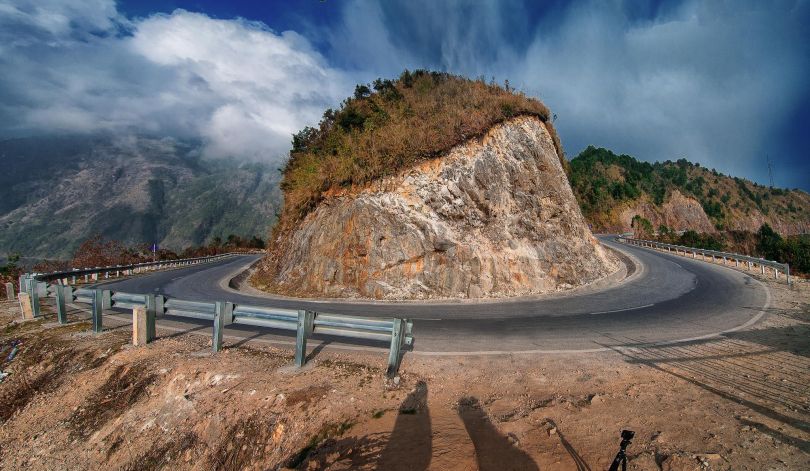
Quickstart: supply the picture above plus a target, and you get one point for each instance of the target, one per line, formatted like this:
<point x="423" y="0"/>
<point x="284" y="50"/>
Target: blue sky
<point x="720" y="83"/>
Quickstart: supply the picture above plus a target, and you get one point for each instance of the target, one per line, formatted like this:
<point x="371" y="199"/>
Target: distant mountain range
<point x="611" y="189"/>
<point x="56" y="192"/>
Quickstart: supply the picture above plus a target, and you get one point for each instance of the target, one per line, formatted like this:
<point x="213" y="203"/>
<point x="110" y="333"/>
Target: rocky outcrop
<point x="679" y="212"/>
<point x="494" y="217"/>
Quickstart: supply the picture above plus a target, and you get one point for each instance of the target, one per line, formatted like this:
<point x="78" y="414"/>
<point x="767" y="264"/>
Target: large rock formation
<point x="494" y="217"/>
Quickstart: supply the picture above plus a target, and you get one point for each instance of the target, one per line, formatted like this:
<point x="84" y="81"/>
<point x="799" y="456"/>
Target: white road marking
<point x="625" y="309"/>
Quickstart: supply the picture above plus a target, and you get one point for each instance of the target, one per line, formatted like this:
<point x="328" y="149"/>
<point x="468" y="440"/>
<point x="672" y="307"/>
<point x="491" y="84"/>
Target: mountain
<point x="55" y="192"/>
<point x="612" y="189"/>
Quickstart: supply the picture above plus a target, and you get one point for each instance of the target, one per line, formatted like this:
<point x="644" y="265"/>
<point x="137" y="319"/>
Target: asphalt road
<point x="669" y="298"/>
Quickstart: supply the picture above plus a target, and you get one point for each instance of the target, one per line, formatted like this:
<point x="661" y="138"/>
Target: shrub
<point x="401" y="122"/>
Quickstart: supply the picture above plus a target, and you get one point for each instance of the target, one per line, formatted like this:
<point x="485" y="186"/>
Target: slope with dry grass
<point x="400" y="122"/>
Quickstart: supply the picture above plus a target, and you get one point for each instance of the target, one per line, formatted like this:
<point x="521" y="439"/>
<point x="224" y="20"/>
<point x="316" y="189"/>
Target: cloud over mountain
<point x="719" y="83"/>
<point x="239" y="86"/>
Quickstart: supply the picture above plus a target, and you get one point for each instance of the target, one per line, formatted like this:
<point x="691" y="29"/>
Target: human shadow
<point x="493" y="451"/>
<point x="410" y="445"/>
<point x="580" y="463"/>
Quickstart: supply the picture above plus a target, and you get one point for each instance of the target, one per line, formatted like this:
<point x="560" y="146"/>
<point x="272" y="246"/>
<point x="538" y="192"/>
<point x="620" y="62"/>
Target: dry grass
<point x="377" y="133"/>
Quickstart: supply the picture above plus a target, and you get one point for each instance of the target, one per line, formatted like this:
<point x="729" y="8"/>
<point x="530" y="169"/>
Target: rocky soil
<point x="494" y="217"/>
<point x="73" y="400"/>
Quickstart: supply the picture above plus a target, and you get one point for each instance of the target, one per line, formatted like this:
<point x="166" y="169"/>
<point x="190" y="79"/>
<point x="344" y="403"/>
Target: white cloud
<point x="236" y="84"/>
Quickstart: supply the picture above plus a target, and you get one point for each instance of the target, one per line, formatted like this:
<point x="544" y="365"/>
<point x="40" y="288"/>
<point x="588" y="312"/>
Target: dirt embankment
<point x="82" y="401"/>
<point x="494" y="217"/>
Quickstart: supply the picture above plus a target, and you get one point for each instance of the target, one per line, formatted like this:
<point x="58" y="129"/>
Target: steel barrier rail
<point x="397" y="331"/>
<point x="737" y="258"/>
<point x="126" y="269"/>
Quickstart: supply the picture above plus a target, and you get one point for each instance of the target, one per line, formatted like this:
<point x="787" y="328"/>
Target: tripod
<point x="621" y="457"/>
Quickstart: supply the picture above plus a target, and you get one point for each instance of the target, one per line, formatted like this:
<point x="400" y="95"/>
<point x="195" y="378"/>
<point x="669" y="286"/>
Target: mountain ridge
<point x="136" y="189"/>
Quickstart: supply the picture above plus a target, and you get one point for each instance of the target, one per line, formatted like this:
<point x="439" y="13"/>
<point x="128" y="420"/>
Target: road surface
<point x="669" y="298"/>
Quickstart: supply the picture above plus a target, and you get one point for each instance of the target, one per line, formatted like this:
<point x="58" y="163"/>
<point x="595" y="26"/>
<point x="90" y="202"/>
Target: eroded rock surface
<point x="494" y="217"/>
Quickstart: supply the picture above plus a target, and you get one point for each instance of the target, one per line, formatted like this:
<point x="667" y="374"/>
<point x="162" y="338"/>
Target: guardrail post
<point x="61" y="311"/>
<point x="97" y="310"/>
<point x="149" y="319"/>
<point x="33" y="294"/>
<point x="227" y="318"/>
<point x="10" y="291"/>
<point x="762" y="267"/>
<point x="305" y="323"/>
<point x="219" y="324"/>
<point x="106" y="299"/>
<point x="775" y="273"/>
<point x="160" y="309"/>
<point x="787" y="273"/>
<point x="395" y="353"/>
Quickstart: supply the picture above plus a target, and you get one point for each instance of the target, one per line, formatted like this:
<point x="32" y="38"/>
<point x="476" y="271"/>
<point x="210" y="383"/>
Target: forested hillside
<point x="612" y="189"/>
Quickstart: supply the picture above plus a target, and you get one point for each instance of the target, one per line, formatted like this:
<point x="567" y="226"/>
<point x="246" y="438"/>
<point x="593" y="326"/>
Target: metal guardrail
<point x="125" y="270"/>
<point x="397" y="331"/>
<point x="713" y="254"/>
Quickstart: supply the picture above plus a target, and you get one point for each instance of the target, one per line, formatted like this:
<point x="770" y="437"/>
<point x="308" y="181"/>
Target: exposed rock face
<point x="494" y="217"/>
<point x="679" y="212"/>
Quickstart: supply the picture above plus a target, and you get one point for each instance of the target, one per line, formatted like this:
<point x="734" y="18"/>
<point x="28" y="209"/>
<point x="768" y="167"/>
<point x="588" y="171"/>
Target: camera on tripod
<point x="621" y="457"/>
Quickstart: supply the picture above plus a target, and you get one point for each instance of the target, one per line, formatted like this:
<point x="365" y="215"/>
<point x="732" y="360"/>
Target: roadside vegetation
<point x="603" y="181"/>
<point x="765" y="243"/>
<point x="392" y="124"/>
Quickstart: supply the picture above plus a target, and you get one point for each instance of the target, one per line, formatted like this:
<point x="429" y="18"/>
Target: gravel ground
<point x="74" y="400"/>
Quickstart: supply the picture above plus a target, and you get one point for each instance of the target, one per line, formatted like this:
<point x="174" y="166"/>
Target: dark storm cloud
<point x="721" y="83"/>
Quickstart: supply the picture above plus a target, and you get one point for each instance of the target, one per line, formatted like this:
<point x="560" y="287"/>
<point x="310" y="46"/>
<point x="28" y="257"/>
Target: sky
<point x="724" y="84"/>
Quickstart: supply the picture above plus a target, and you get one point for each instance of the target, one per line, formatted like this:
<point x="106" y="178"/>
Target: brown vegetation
<point x="376" y="133"/>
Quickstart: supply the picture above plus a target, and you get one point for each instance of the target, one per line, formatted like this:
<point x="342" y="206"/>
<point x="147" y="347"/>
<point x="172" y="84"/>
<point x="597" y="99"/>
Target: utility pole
<point x="770" y="170"/>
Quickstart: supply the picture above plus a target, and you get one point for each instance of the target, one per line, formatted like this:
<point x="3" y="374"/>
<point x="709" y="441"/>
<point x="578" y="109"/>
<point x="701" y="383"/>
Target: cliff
<point x="495" y="216"/>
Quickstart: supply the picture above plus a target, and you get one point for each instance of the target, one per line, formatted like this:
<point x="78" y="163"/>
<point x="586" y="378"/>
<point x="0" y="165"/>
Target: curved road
<point x="669" y="298"/>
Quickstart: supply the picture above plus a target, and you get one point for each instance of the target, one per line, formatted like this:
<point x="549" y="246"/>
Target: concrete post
<point x="394" y="354"/>
<point x="775" y="273"/>
<point x="10" y="291"/>
<point x="305" y="324"/>
<point x="61" y="311"/>
<point x="763" y="268"/>
<point x="97" y="310"/>
<point x="140" y="326"/>
<point x="25" y="306"/>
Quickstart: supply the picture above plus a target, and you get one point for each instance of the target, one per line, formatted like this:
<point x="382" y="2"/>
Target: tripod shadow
<point x="493" y="451"/>
<point x="578" y="460"/>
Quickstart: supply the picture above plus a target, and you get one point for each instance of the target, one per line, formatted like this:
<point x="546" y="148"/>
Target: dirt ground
<point x="74" y="400"/>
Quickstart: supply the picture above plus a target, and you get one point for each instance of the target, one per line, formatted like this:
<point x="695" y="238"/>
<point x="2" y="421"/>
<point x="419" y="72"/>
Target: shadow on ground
<point x="766" y="370"/>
